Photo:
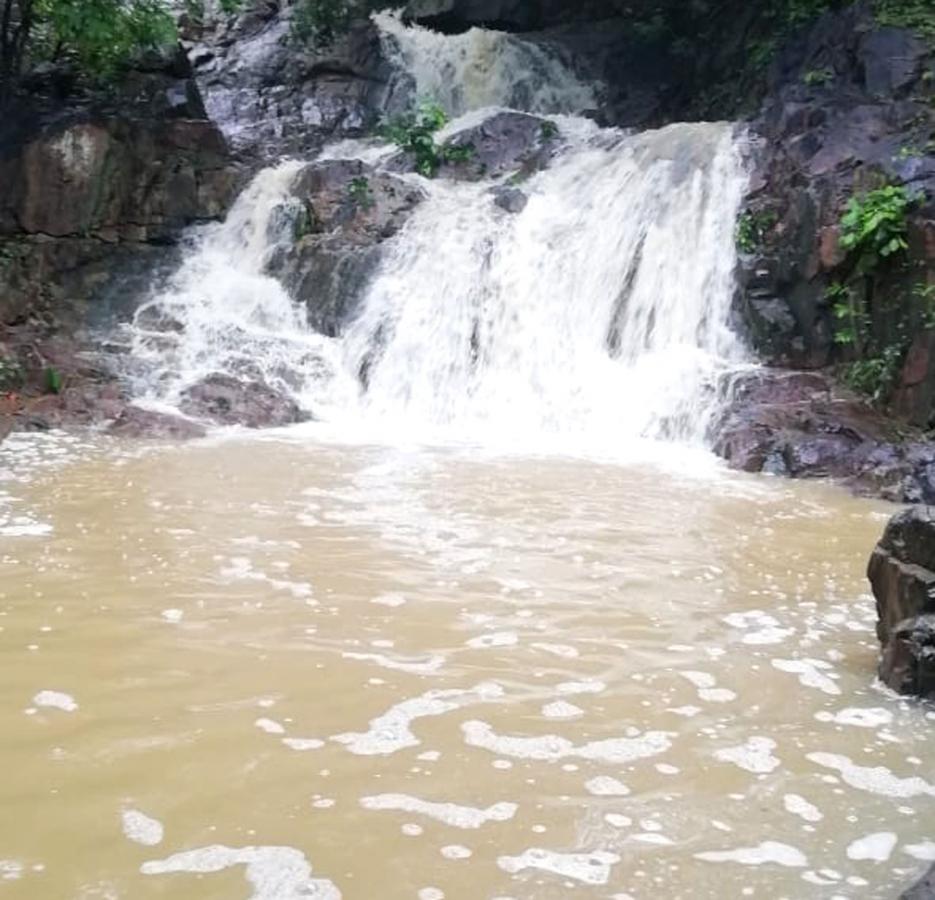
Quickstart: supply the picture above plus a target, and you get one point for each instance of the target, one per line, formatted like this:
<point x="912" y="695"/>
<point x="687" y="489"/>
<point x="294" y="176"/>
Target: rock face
<point x="226" y="400"/>
<point x="923" y="890"/>
<point x="800" y="425"/>
<point x="846" y="108"/>
<point x="272" y="96"/>
<point x="902" y="573"/>
<point x="344" y="211"/>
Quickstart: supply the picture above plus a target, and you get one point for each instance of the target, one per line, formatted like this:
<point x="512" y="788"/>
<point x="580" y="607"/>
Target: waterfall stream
<point x="600" y="312"/>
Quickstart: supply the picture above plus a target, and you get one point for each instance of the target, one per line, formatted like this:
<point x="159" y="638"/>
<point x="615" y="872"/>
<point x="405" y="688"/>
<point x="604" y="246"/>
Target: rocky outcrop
<point x="225" y="400"/>
<point x="343" y="212"/>
<point x="274" y="96"/>
<point x="847" y="109"/>
<point x="923" y="889"/>
<point x="802" y="425"/>
<point x="97" y="189"/>
<point x="902" y="573"/>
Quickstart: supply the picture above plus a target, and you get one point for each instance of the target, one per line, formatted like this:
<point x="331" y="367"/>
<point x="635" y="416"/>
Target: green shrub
<point x="874" y="225"/>
<point x="360" y="192"/>
<point x="918" y="15"/>
<point x="876" y="376"/>
<point x="752" y="229"/>
<point x="415" y="134"/>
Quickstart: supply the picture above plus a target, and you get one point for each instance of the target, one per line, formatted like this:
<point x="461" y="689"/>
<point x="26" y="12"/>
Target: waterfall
<point x="600" y="311"/>
<point x="482" y="68"/>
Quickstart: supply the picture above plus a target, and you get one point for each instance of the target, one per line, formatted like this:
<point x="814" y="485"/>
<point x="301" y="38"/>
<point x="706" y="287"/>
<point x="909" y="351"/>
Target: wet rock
<point x="332" y="237"/>
<point x="134" y="422"/>
<point x="505" y="143"/>
<point x="510" y="199"/>
<point x="922" y="890"/>
<point x="902" y="574"/>
<point x="226" y="400"/>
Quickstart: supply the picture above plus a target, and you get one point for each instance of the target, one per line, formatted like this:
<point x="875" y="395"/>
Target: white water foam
<point x="483" y="67"/>
<point x="451" y="814"/>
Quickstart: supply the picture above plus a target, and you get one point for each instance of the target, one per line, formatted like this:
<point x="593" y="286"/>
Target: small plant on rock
<point x="360" y="192"/>
<point x="415" y="134"/>
<point x="752" y="229"/>
<point x="874" y="225"/>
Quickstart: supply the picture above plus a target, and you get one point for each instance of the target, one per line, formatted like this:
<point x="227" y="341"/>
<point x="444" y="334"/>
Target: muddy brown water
<point x="281" y="668"/>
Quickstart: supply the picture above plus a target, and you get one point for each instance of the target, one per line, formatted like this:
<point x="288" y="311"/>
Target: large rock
<point x="902" y="573"/>
<point x="334" y="234"/>
<point x="226" y="400"/>
<point x="800" y="425"/>
<point x="924" y="889"/>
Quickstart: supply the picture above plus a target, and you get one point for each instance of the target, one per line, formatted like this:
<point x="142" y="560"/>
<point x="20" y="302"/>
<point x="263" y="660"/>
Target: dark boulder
<point x="902" y="574"/>
<point x="923" y="889"/>
<point x="505" y="143"/>
<point x="509" y="199"/>
<point x="226" y="400"/>
<point x="134" y="422"/>
<point x="334" y="231"/>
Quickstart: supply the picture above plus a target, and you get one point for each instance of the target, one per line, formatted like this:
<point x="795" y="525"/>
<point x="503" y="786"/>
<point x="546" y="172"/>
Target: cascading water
<point x="481" y="68"/>
<point x="600" y="311"/>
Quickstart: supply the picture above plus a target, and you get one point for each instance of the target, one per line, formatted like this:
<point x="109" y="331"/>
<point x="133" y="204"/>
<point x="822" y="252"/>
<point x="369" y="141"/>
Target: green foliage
<point x="100" y="35"/>
<point x="918" y="15"/>
<point x="196" y="8"/>
<point x="360" y="192"/>
<point x="925" y="294"/>
<point x="415" y="134"/>
<point x="548" y="130"/>
<point x="874" y="225"/>
<point x="53" y="380"/>
<point x="752" y="229"/>
<point x="875" y="376"/>
<point x="850" y="323"/>
<point x="818" y="77"/>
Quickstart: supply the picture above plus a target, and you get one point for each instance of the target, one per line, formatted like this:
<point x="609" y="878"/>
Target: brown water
<point x="427" y="674"/>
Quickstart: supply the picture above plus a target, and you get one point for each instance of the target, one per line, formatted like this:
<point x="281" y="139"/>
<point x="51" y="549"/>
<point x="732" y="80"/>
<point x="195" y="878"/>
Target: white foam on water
<point x="453" y="814"/>
<point x="588" y="868"/>
<point x="140" y="828"/>
<point x="925" y="850"/>
<point x="866" y="717"/>
<point x="561" y="709"/>
<point x="810" y="673"/>
<point x="563" y="651"/>
<point x="302" y="744"/>
<point x="799" y="806"/>
<point x="10" y="870"/>
<point x="275" y="873"/>
<point x="456" y="851"/>
<point x="552" y="748"/>
<point x="760" y="627"/>
<point x="618" y="820"/>
<point x="414" y="665"/>
<point x="391" y="732"/>
<point x="391" y="600"/>
<point x="496" y="639"/>
<point x="270" y="726"/>
<point x="55" y="700"/>
<point x="606" y="786"/>
<point x="874" y="779"/>
<point x="767" y="853"/>
<point x="570" y="688"/>
<point x="173" y="615"/>
<point x="652" y="837"/>
<point x="877" y="847"/>
<point x="482" y="68"/>
<point x="755" y="755"/>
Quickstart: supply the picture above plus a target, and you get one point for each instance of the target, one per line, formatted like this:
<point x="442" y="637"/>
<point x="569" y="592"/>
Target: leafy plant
<point x="917" y="15"/>
<point x="752" y="229"/>
<point x="875" y="376"/>
<point x="53" y="380"/>
<point x="415" y="134"/>
<point x="360" y="192"/>
<point x="874" y="225"/>
<point x="819" y="77"/>
<point x="925" y="294"/>
<point x="548" y="130"/>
